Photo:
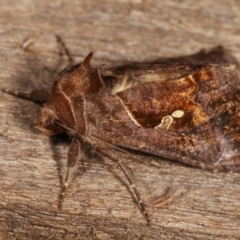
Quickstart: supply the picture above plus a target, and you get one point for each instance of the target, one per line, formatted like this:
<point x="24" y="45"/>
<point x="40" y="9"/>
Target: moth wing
<point x="192" y="119"/>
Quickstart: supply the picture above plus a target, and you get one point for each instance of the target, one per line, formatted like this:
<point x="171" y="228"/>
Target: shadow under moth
<point x="185" y="109"/>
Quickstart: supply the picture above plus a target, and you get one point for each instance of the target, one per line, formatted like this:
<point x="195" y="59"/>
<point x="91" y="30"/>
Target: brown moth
<point x="185" y="109"/>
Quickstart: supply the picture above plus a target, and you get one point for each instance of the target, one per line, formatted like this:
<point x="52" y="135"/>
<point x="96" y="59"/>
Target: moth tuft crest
<point x="125" y="83"/>
<point x="87" y="59"/>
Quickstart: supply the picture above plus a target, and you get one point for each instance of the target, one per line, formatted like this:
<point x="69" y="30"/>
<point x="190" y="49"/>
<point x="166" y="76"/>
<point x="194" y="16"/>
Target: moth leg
<point x="73" y="156"/>
<point x="105" y="152"/>
<point x="134" y="190"/>
<point x="132" y="185"/>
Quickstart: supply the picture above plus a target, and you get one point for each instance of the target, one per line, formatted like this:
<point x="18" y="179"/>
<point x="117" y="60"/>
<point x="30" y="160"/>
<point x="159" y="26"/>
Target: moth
<point x="185" y="109"/>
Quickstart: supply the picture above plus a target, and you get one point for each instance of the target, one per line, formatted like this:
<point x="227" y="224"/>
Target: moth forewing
<point x="177" y="117"/>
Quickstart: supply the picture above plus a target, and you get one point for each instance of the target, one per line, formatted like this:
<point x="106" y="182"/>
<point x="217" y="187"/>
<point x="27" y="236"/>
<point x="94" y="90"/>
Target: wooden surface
<point x="203" y="205"/>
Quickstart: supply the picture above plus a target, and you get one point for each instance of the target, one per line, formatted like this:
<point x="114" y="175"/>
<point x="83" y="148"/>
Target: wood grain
<point x="202" y="205"/>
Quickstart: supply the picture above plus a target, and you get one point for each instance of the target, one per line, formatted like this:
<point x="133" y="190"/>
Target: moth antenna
<point x="15" y="93"/>
<point x="65" y="49"/>
<point x="37" y="95"/>
<point x="87" y="59"/>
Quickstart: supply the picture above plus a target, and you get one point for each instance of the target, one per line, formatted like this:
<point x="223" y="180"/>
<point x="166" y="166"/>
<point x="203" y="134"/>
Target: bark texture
<point x="202" y="205"/>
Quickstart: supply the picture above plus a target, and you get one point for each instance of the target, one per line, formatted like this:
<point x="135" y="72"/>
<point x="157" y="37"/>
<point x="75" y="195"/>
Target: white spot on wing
<point x="178" y="114"/>
<point x="165" y="122"/>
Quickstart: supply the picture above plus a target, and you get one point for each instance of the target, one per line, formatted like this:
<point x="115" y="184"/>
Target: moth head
<point x="46" y="121"/>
